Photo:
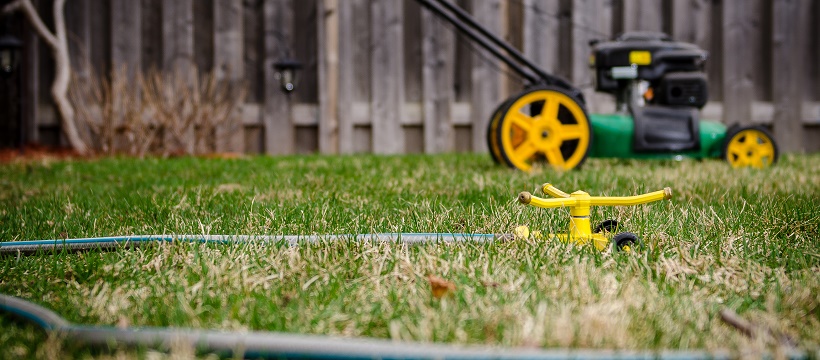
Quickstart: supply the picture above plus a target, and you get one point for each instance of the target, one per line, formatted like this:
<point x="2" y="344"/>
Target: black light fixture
<point x="287" y="71"/>
<point x="10" y="47"/>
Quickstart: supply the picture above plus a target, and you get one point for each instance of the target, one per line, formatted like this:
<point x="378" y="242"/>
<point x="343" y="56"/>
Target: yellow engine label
<point x="640" y="57"/>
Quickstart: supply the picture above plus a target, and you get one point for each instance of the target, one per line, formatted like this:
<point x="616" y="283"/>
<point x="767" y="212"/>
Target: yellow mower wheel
<point x="544" y="124"/>
<point x="492" y="140"/>
<point x="751" y="146"/>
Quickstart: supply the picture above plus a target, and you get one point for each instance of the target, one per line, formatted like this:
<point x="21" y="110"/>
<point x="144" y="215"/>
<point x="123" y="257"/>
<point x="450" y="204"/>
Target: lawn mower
<point x="659" y="87"/>
<point x="580" y="231"/>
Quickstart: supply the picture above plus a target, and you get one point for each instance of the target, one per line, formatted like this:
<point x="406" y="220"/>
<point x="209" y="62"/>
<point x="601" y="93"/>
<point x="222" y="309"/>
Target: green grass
<point x="745" y="240"/>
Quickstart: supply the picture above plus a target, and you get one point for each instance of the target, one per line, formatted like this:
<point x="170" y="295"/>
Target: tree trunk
<point x="58" y="41"/>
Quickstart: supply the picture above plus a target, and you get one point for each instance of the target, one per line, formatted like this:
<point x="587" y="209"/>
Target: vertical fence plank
<point x="278" y="25"/>
<point x="345" y="85"/>
<point x="592" y="20"/>
<point x="787" y="74"/>
<point x="177" y="36"/>
<point x="100" y="46"/>
<point x="438" y="55"/>
<point x="151" y="34"/>
<point x="328" y="54"/>
<point x="78" y="25"/>
<point x="387" y="78"/>
<point x="542" y="33"/>
<point x="229" y="65"/>
<point x="692" y="23"/>
<point x="126" y="36"/>
<point x="485" y="78"/>
<point x="738" y="88"/>
<point x="203" y="15"/>
<point x="643" y="15"/>
<point x="178" y="48"/>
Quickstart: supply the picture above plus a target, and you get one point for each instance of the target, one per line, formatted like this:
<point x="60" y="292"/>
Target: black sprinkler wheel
<point x="627" y="242"/>
<point x="607" y="225"/>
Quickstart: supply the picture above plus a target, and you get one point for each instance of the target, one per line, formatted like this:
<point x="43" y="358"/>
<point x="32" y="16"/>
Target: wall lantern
<point x="287" y="71"/>
<point x="9" y="54"/>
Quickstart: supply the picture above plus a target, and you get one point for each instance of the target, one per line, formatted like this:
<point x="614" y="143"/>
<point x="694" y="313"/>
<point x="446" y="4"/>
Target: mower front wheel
<point x="749" y="146"/>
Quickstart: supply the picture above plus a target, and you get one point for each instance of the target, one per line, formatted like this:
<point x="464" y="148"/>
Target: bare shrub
<point x="156" y="112"/>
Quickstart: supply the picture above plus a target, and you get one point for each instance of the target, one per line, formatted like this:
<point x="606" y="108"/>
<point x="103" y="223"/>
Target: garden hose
<point x="115" y="242"/>
<point x="259" y="344"/>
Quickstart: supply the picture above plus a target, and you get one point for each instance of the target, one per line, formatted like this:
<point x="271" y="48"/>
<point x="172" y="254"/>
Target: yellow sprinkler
<point x="579" y="204"/>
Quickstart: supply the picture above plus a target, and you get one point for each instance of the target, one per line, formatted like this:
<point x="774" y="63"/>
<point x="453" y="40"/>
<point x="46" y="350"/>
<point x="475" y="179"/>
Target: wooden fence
<point x="385" y="76"/>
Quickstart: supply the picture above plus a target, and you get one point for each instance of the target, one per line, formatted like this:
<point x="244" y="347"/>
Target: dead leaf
<point x="440" y="287"/>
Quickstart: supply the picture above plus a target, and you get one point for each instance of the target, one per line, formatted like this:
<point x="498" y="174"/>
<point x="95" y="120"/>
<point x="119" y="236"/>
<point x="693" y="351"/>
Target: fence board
<point x="346" y="80"/>
<point x="204" y="32"/>
<point x="542" y="33"/>
<point x="738" y="87"/>
<point x="178" y="49"/>
<point x="787" y="86"/>
<point x="304" y="47"/>
<point x="78" y="26"/>
<point x="278" y="25"/>
<point x="413" y="58"/>
<point x="254" y="49"/>
<point x="328" y="54"/>
<point x="438" y="55"/>
<point x="126" y="36"/>
<point x="151" y="34"/>
<point x="229" y="65"/>
<point x="692" y="22"/>
<point x="387" y="78"/>
<point x="100" y="46"/>
<point x="177" y="36"/>
<point x="592" y="20"/>
<point x="485" y="76"/>
<point x="644" y="15"/>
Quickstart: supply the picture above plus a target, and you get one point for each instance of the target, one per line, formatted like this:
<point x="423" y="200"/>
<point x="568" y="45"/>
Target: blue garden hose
<point x="284" y="345"/>
<point x="114" y="242"/>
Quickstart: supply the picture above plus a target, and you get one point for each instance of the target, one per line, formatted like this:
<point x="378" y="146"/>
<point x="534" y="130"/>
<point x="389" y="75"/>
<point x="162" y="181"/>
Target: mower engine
<point x="672" y="70"/>
<point x="659" y="81"/>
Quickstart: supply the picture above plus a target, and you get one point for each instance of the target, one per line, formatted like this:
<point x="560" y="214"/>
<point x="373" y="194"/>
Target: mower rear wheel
<point x="749" y="146"/>
<point x="544" y="123"/>
<point x="492" y="126"/>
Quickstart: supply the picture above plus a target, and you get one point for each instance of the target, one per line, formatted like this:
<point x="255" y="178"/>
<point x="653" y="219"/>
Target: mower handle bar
<point x="562" y="199"/>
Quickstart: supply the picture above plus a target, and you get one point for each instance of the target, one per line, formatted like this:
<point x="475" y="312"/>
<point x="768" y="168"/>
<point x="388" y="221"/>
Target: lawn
<point x="743" y="240"/>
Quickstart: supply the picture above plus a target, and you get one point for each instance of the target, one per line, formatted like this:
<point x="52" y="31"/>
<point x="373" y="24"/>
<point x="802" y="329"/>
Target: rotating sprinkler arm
<point x="553" y="191"/>
<point x="664" y="194"/>
<point x="582" y="199"/>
